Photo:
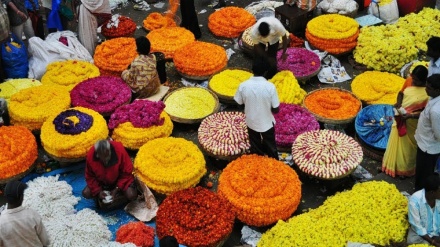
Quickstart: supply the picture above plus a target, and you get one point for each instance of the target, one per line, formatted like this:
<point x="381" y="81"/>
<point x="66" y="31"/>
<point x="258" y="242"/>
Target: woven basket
<point x="104" y="72"/>
<point x="369" y="151"/>
<point x="18" y="176"/>
<point x="248" y="44"/>
<point x="223" y="98"/>
<point x="305" y="78"/>
<point x="199" y="78"/>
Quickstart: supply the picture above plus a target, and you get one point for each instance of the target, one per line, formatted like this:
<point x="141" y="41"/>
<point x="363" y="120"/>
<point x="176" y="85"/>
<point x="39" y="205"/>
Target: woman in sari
<point x="400" y="155"/>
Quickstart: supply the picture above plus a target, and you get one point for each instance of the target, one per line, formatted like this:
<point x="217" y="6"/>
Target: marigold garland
<point x="32" y="106"/>
<point x="137" y="233"/>
<point x="230" y="22"/>
<point x="168" y="40"/>
<point x="288" y="89"/>
<point x="376" y="87"/>
<point x="156" y="20"/>
<point x="169" y="164"/>
<point x="262" y="190"/>
<point x="18" y="150"/>
<point x="113" y="56"/>
<point x="199" y="103"/>
<point x="196" y="217"/>
<point x="226" y="82"/>
<point x="333" y="27"/>
<point x="345" y="217"/>
<point x="200" y="59"/>
<point x="69" y="73"/>
<point x="118" y="26"/>
<point x="10" y="87"/>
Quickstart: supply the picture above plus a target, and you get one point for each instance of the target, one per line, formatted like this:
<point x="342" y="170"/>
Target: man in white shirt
<point x="260" y="101"/>
<point x="265" y="35"/>
<point x="434" y="52"/>
<point x="428" y="133"/>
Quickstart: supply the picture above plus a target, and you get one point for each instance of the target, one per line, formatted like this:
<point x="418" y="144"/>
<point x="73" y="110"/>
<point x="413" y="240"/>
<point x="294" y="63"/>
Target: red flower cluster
<point x="137" y="233"/>
<point x="125" y="28"/>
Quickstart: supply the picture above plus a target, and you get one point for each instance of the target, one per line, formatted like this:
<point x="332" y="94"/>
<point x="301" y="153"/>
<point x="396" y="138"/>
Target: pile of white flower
<point x="342" y="7"/>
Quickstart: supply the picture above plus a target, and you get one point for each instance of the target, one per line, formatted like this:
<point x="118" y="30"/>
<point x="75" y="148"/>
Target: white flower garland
<point x="256" y="7"/>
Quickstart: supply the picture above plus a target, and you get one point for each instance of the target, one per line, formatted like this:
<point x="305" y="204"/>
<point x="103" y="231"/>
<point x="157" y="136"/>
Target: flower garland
<point x="230" y="22"/>
<point x="103" y="94"/>
<point x="169" y="164"/>
<point x="68" y="73"/>
<point x="291" y="121"/>
<point x="224" y="133"/>
<point x="200" y="59"/>
<point x="261" y="190"/>
<point x="345" y="217"/>
<point x="199" y="103"/>
<point x="10" y="87"/>
<point x="168" y="40"/>
<point x="156" y="20"/>
<point x="118" y="26"/>
<point x="332" y="104"/>
<point x="300" y="61"/>
<point x="32" y="106"/>
<point x="196" y="217"/>
<point x="137" y="233"/>
<point x="326" y="153"/>
<point x="376" y="87"/>
<point x="113" y="56"/>
<point x="288" y="89"/>
<point x="226" y="82"/>
<point x="57" y="141"/>
<point x="295" y="41"/>
<point x="18" y="150"/>
<point x="333" y="46"/>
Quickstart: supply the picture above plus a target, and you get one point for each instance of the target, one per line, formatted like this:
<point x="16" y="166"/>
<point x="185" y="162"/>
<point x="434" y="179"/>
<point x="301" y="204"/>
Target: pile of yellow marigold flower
<point x="226" y="82"/>
<point x="10" y="87"/>
<point x="288" y="89"/>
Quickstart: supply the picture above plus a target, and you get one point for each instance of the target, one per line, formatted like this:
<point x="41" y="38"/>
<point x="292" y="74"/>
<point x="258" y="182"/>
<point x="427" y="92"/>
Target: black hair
<point x="434" y="43"/>
<point x="143" y="45"/>
<point x="421" y="73"/>
<point x="434" y="81"/>
<point x="14" y="191"/>
<point x="264" y="29"/>
<point x="260" y="67"/>
<point x="168" y="241"/>
<point x="432" y="183"/>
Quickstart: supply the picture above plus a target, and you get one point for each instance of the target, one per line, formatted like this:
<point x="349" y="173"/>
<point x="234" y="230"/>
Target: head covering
<point x="14" y="190"/>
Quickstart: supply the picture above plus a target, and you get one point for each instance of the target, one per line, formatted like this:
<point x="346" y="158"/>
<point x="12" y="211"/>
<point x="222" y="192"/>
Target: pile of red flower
<point x="196" y="217"/>
<point x="118" y="26"/>
<point x="137" y="233"/>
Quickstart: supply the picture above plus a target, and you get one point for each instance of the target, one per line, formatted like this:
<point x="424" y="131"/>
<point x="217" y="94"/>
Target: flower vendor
<point x="434" y="52"/>
<point x="424" y="213"/>
<point x="20" y="226"/>
<point x="142" y="74"/>
<point x="266" y="35"/>
<point x="109" y="168"/>
<point x="260" y="101"/>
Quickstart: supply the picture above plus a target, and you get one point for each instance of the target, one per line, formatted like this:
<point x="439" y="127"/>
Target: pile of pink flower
<point x="103" y="94"/>
<point x="300" y="61"/>
<point x="291" y="121"/>
<point x="141" y="113"/>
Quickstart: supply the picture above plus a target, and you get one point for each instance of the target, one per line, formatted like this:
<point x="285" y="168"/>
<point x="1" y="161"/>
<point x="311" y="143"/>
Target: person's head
<point x="264" y="29"/>
<point x="103" y="151"/>
<point x="260" y="67"/>
<point x="433" y="44"/>
<point x="433" y="85"/>
<point x="14" y="192"/>
<point x="168" y="241"/>
<point x="432" y="183"/>
<point x="419" y="75"/>
<point x="143" y="45"/>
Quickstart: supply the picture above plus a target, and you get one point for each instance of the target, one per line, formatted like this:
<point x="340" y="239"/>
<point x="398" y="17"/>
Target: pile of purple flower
<point x="300" y="61"/>
<point x="141" y="113"/>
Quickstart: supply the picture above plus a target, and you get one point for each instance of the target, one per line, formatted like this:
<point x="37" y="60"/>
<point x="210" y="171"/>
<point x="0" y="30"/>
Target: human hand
<point x="284" y="56"/>
<point x="114" y="192"/>
<point x="22" y="15"/>
<point x="102" y="195"/>
<point x="397" y="105"/>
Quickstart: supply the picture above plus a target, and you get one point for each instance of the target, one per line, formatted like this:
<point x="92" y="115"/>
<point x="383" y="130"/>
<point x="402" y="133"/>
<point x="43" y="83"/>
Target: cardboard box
<point x="293" y="18"/>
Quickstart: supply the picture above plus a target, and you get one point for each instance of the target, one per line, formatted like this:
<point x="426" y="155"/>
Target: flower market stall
<point x="226" y="82"/>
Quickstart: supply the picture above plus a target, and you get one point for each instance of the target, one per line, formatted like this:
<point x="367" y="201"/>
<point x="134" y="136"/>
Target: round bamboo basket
<point x="305" y="78"/>
<point x="110" y="72"/>
<point x="18" y="176"/>
<point x="370" y="151"/>
<point x="224" y="98"/>
<point x="247" y="45"/>
<point x="66" y="160"/>
<point x="198" y="78"/>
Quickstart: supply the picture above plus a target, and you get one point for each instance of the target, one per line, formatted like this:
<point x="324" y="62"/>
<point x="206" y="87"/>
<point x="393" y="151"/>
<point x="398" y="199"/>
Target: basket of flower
<point x="292" y="120"/>
<point x="115" y="55"/>
<point x="226" y="82"/>
<point x="169" y="39"/>
<point x="224" y="135"/>
<point x="169" y="164"/>
<point x="68" y="136"/>
<point x="374" y="87"/>
<point x="199" y="60"/>
<point x="137" y="233"/>
<point x="18" y="152"/>
<point x="288" y="89"/>
<point x="196" y="217"/>
<point x="247" y="44"/>
<point x="332" y="105"/>
<point x="326" y="154"/>
<point x="140" y="122"/>
<point x="265" y="191"/>
<point x="156" y="20"/>
<point x="69" y="73"/>
<point x="230" y="22"/>
<point x="103" y="94"/>
<point x="10" y="87"/>
<point x="303" y="63"/>
<point x="199" y="103"/>
<point x="118" y="26"/>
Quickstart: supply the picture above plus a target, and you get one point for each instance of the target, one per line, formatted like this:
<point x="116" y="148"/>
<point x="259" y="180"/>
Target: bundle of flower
<point x="157" y="20"/>
<point x="103" y="94"/>
<point x="333" y="33"/>
<point x="345" y="217"/>
<point x="168" y="40"/>
<point x="137" y="233"/>
<point x="10" y="87"/>
<point x="71" y="133"/>
<point x="113" y="56"/>
<point x="199" y="103"/>
<point x="225" y="134"/>
<point x="118" y="26"/>
<point x="226" y="82"/>
<point x="169" y="164"/>
<point x="292" y="120"/>
<point x="327" y="154"/>
<point x="68" y="73"/>
<point x="247" y="40"/>
<point x="385" y="48"/>
<point x="196" y="217"/>
<point x="139" y="122"/>
<point x="32" y="106"/>
<point x="295" y="41"/>
<point x="200" y="59"/>
<point x="18" y="151"/>
<point x="230" y="22"/>
<point x="332" y="103"/>
<point x="288" y="89"/>
<point x="262" y="190"/>
<point x="302" y="62"/>
<point x="376" y="87"/>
